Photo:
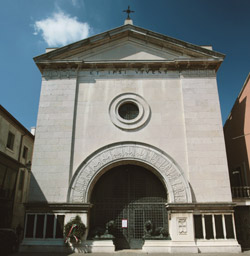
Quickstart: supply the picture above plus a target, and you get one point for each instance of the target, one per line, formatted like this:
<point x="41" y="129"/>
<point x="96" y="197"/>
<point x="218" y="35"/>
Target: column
<point x="203" y="226"/>
<point x="213" y="223"/>
<point x="233" y="220"/>
<point x="25" y="225"/>
<point x="34" y="229"/>
<point x="44" y="225"/>
<point x="54" y="228"/>
<point x="224" y="226"/>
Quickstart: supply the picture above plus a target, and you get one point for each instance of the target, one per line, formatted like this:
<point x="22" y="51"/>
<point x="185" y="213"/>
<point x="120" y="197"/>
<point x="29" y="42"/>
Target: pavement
<point x="127" y="253"/>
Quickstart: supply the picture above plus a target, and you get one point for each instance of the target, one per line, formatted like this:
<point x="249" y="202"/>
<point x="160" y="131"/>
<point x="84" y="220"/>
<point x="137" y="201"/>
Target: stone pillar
<point x="181" y="228"/>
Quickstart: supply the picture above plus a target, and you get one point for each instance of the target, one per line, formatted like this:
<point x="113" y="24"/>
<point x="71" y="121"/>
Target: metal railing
<point x="241" y="192"/>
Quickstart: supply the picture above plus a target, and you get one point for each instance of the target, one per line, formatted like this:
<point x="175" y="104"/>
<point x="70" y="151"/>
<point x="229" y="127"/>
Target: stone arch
<point x="171" y="174"/>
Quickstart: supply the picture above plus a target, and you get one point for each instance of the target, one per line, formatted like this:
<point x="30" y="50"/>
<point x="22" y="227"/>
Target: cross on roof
<point x="128" y="11"/>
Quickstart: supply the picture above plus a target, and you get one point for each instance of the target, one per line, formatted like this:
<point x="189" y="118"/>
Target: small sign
<point x="124" y="223"/>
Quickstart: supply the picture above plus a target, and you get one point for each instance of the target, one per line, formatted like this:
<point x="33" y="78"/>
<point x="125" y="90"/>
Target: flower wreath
<point x="74" y="230"/>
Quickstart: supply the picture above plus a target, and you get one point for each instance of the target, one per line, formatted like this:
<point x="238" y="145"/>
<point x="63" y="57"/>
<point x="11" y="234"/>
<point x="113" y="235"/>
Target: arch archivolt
<point x="171" y="175"/>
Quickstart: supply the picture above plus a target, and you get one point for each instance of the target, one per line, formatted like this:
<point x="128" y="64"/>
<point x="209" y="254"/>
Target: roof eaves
<point x="177" y="41"/>
<point x="91" y="39"/>
<point x="134" y="29"/>
<point x="237" y="99"/>
<point x="13" y="119"/>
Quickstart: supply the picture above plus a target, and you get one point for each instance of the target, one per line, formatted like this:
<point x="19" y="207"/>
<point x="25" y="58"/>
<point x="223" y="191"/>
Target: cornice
<point x="57" y="207"/>
<point x="6" y="114"/>
<point x="201" y="207"/>
<point x="197" y="64"/>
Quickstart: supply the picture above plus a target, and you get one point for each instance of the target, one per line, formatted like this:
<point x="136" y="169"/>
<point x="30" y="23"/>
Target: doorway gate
<point x="129" y="195"/>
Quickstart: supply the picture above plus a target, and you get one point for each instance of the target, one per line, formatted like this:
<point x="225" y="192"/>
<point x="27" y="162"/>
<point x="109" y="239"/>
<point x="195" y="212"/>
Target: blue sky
<point x="28" y="27"/>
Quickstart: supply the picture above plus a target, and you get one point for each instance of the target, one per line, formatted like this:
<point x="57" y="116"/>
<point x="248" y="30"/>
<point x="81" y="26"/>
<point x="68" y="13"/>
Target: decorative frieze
<point x="178" y="188"/>
<point x="198" y="73"/>
<point x="72" y="72"/>
<point x="59" y="74"/>
<point x="115" y="72"/>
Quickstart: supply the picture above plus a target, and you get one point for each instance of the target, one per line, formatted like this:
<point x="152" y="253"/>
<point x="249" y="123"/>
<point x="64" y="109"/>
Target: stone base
<point x="44" y="248"/>
<point x="157" y="246"/>
<point x="166" y="246"/>
<point x="150" y="246"/>
<point x="104" y="246"/>
<point x="200" y="246"/>
<point x="223" y="246"/>
<point x="39" y="245"/>
<point x="184" y="247"/>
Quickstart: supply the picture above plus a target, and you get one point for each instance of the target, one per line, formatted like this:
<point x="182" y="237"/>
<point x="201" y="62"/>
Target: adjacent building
<point x="16" y="147"/>
<point x="129" y="130"/>
<point x="237" y="138"/>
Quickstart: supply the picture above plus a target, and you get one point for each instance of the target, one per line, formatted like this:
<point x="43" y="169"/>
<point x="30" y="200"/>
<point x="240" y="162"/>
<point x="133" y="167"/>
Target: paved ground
<point x="130" y="253"/>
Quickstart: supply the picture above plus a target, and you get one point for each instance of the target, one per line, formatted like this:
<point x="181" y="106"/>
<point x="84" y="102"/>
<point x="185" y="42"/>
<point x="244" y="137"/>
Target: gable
<point x="128" y="45"/>
<point x="127" y="50"/>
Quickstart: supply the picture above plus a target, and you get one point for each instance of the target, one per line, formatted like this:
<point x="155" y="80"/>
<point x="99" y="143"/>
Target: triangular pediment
<point x="128" y="49"/>
<point x="127" y="44"/>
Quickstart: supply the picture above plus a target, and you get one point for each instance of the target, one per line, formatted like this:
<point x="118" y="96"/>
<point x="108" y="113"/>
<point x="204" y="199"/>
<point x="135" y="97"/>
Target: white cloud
<point x="61" y="29"/>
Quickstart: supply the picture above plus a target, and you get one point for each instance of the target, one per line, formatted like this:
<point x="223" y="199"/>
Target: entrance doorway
<point x="131" y="195"/>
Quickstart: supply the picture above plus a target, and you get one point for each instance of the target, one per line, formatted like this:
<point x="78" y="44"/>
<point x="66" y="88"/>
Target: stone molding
<point x="198" y="73"/>
<point x="57" y="207"/>
<point x="212" y="207"/>
<point x="59" y="74"/>
<point x="131" y="152"/>
<point x="139" y="121"/>
<point x="67" y="73"/>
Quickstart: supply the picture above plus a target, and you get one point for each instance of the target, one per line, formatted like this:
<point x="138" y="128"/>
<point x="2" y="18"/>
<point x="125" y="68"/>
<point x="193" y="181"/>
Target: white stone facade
<point x="177" y="133"/>
<point x="185" y="123"/>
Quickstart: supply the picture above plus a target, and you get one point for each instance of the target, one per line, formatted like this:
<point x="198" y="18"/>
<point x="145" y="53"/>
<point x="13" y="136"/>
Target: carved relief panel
<point x="182" y="226"/>
<point x="172" y="176"/>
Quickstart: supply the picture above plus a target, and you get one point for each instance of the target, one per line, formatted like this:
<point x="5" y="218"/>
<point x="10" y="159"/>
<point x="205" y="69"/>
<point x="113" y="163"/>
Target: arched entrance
<point x="171" y="174"/>
<point x="132" y="194"/>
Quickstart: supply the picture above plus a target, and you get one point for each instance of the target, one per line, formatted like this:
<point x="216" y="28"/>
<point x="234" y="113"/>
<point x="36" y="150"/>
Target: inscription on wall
<point x="176" y="184"/>
<point x="72" y="73"/>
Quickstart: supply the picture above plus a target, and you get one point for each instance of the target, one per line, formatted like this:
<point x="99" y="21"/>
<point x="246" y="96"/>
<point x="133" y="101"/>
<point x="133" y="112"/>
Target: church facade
<point x="129" y="132"/>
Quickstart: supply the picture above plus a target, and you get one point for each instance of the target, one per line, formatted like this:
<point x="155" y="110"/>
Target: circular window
<point x="129" y="111"/>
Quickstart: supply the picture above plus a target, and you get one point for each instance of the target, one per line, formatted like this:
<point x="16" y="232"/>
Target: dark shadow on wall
<point x="35" y="192"/>
<point x="36" y="209"/>
<point x="192" y="193"/>
<point x="236" y="148"/>
<point x="8" y="180"/>
<point x="242" y="221"/>
<point x="238" y="164"/>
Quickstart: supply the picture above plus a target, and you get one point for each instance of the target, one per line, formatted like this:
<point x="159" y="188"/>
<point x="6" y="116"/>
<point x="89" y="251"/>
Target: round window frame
<point x="129" y="124"/>
<point x="128" y="102"/>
